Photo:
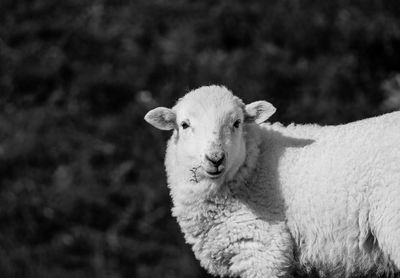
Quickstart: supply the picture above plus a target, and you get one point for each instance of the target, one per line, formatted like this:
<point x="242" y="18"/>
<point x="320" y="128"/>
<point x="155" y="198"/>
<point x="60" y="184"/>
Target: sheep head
<point x="209" y="130"/>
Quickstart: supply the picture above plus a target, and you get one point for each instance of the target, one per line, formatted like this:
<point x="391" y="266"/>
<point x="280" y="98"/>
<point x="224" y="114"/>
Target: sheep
<point x="256" y="199"/>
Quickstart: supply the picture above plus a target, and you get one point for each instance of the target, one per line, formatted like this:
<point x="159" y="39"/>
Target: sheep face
<point x="210" y="135"/>
<point x="209" y="130"/>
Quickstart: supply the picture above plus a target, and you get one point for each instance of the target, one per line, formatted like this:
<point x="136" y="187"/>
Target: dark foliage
<point x="83" y="190"/>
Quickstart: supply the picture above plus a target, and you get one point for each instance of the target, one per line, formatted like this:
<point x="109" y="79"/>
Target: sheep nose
<point x="216" y="158"/>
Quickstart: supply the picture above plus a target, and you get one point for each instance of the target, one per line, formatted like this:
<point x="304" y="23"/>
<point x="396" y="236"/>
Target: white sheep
<point x="264" y="200"/>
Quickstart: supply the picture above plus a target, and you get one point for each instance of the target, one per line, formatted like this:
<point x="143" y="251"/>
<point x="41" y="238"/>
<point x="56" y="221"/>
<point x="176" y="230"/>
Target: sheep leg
<point x="388" y="239"/>
<point x="385" y="222"/>
<point x="259" y="261"/>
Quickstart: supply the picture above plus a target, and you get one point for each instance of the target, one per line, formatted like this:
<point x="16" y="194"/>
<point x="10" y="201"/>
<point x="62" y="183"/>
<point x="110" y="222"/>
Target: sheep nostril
<point x="216" y="159"/>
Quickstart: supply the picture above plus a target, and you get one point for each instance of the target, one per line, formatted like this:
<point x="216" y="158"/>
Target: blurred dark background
<point x="83" y="190"/>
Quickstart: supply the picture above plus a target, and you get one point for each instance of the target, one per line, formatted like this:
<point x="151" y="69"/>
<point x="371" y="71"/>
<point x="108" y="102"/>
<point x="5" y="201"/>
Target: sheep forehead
<point x="210" y="104"/>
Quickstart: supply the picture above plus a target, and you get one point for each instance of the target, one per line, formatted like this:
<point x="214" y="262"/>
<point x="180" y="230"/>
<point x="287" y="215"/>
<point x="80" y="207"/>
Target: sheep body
<point x="342" y="193"/>
<point x="306" y="198"/>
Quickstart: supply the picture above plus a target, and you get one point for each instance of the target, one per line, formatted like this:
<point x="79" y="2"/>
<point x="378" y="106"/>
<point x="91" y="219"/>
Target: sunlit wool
<point x="291" y="199"/>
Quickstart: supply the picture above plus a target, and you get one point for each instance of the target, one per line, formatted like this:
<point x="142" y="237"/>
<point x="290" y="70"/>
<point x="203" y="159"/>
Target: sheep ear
<point x="162" y="118"/>
<point x="258" y="111"/>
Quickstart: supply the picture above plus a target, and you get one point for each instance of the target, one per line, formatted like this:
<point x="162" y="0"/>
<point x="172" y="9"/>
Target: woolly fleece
<point x="306" y="199"/>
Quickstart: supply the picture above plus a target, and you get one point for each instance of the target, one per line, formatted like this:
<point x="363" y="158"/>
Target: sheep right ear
<point x="162" y="118"/>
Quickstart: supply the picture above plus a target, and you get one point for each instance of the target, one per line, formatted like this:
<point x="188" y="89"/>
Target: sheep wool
<point x="257" y="199"/>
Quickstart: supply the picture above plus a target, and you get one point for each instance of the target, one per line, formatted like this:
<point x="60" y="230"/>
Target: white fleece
<point x="306" y="199"/>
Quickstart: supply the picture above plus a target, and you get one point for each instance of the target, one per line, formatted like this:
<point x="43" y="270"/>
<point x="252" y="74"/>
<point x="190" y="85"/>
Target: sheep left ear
<point x="162" y="118"/>
<point x="258" y="111"/>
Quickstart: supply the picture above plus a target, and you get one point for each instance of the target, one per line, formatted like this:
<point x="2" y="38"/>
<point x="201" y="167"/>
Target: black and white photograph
<point x="199" y="139"/>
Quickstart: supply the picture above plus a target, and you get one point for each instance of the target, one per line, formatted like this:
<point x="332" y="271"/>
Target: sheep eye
<point x="236" y="124"/>
<point x="184" y="125"/>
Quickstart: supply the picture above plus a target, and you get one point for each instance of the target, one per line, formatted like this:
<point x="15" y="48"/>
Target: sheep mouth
<point x="214" y="174"/>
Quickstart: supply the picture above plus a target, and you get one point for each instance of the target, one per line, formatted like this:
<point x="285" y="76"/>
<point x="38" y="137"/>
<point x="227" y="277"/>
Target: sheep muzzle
<point x="214" y="163"/>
